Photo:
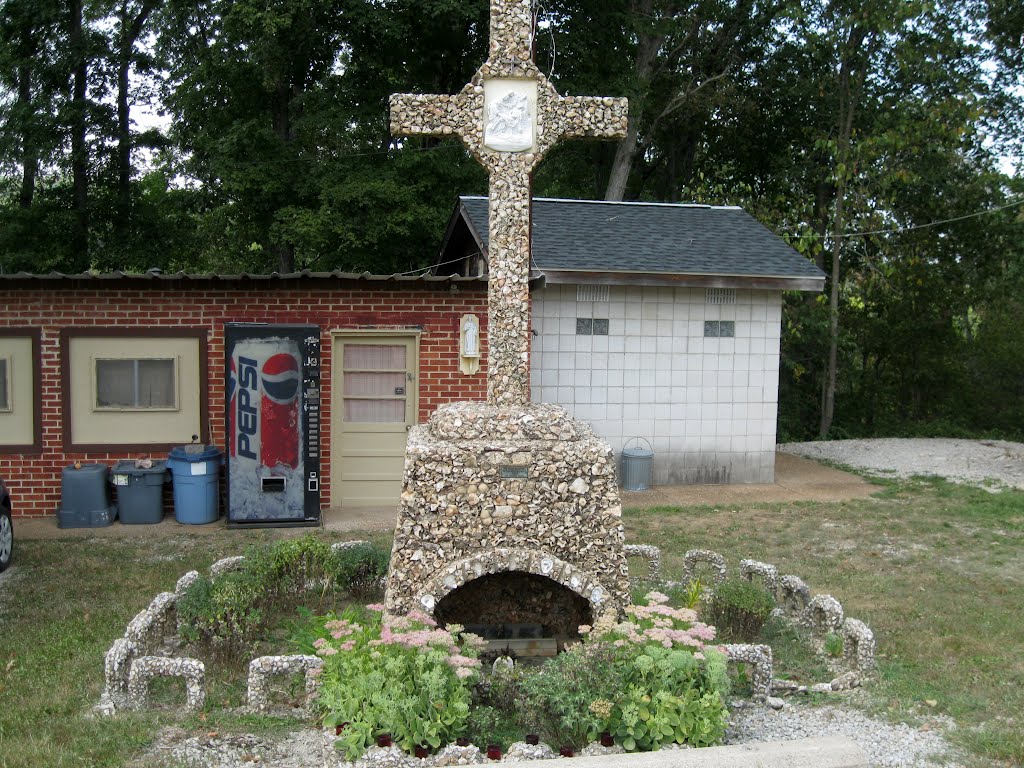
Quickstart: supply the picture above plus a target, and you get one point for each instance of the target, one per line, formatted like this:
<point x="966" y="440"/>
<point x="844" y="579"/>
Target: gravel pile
<point x="987" y="463"/>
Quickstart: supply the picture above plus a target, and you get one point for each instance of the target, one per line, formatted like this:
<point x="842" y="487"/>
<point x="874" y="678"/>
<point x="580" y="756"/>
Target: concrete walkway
<point x="796" y="479"/>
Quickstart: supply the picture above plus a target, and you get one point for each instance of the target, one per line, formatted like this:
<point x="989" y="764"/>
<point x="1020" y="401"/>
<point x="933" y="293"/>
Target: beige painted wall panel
<point x="92" y="426"/>
<point x="16" y="423"/>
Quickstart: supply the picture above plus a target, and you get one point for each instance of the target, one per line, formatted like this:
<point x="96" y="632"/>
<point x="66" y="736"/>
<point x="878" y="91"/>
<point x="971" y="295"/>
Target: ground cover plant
<point x="646" y="681"/>
<point x="936" y="570"/>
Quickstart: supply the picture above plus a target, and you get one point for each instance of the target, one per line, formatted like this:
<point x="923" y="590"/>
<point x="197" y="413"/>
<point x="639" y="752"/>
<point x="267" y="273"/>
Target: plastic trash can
<point x="636" y="466"/>
<point x="85" y="497"/>
<point x="195" y="470"/>
<point x="139" y="491"/>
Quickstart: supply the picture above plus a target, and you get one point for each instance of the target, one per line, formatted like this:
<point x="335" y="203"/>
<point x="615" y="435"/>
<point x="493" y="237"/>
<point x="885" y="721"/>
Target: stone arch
<point x="503" y="560"/>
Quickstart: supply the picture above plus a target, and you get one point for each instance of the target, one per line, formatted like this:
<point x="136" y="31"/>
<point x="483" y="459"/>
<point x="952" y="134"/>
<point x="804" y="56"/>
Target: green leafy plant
<point x="833" y="644"/>
<point x="397" y="675"/>
<point x="738" y="609"/>
<point x="648" y="680"/>
<point x="229" y="614"/>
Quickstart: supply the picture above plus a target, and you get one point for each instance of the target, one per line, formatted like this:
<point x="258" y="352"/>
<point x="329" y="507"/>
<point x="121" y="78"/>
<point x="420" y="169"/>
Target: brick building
<point x="58" y="333"/>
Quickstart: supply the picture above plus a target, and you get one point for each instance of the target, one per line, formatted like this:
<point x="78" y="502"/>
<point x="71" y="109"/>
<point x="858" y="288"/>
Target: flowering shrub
<point x="398" y="675"/>
<point x="649" y="680"/>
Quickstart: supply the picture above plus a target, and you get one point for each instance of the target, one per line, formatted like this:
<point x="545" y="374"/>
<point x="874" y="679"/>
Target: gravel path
<point x="886" y="745"/>
<point x="991" y="464"/>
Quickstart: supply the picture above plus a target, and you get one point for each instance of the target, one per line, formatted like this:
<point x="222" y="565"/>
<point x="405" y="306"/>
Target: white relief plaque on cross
<point x="508" y="116"/>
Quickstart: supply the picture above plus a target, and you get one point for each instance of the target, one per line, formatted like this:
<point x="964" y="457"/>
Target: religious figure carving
<point x="469" y="344"/>
<point x="509" y="124"/>
<point x="470" y="337"/>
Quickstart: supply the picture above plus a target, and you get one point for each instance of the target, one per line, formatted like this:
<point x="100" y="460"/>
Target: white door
<point x="373" y="405"/>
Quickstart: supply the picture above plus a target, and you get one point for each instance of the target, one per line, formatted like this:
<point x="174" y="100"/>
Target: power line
<point x="900" y="230"/>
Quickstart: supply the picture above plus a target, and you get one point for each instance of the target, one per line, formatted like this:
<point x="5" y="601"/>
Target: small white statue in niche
<point x="469" y="344"/>
<point x="509" y="123"/>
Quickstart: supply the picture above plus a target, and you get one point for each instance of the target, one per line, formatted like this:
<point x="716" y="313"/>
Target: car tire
<point x="6" y="538"/>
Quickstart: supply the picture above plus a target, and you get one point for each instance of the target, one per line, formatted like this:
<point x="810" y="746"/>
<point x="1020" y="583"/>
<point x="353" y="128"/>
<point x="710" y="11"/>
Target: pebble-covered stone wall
<point x="538" y="496"/>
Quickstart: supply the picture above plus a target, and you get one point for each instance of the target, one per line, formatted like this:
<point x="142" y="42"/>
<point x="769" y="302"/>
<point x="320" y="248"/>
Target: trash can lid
<point x="127" y="467"/>
<point x="637" y="453"/>
<point x="188" y="453"/>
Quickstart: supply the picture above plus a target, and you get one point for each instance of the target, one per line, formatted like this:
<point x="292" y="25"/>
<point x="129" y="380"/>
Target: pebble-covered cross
<point x="508" y="116"/>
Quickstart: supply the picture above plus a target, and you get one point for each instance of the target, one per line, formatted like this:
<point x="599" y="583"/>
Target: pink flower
<point x="464" y="672"/>
<point x="377" y="607"/>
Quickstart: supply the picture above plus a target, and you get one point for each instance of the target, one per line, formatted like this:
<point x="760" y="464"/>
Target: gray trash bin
<point x="636" y="466"/>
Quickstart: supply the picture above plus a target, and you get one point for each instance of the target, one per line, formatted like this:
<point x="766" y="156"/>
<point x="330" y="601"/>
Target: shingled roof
<point x="649" y="243"/>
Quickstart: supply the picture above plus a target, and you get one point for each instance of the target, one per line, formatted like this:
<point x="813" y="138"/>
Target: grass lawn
<point x="936" y="570"/>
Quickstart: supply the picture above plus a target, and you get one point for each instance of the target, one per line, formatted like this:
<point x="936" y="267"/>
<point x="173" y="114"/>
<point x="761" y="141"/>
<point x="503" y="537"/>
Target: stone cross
<point x="508" y="116"/>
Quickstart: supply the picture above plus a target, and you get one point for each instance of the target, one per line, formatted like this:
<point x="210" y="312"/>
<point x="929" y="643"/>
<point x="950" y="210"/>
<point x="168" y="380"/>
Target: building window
<point x="133" y="388"/>
<point x="586" y="326"/>
<point x="5" y="384"/>
<point x="719" y="329"/>
<point x="146" y="383"/>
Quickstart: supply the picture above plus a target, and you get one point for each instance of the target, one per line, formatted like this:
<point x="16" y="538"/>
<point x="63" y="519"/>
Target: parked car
<point x="6" y="528"/>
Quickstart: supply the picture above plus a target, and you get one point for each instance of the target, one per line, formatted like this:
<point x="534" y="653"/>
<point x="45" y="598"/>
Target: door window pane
<point x="375" y="357"/>
<point x="374" y="384"/>
<point x="375" y="411"/>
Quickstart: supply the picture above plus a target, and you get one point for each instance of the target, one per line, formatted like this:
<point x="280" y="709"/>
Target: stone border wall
<point x="146" y="649"/>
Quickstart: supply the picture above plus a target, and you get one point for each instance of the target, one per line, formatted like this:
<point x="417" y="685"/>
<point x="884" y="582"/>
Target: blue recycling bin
<point x="195" y="470"/>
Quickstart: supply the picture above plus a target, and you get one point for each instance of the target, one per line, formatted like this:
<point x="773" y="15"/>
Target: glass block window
<point x="136" y="383"/>
<point x="591" y="293"/>
<point x="721" y="296"/>
<point x="586" y="326"/>
<point x="5" y="384"/>
<point x="719" y="329"/>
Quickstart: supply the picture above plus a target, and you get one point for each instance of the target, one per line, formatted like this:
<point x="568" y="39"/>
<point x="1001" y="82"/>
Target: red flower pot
<point x="420" y="751"/>
<point x="566" y="752"/>
<point x="493" y="752"/>
<point x="384" y="740"/>
<point x="532" y="739"/>
<point x="607" y="740"/>
<point x="462" y="741"/>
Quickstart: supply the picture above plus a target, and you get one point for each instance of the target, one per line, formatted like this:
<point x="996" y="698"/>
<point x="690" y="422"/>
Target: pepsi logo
<point x="281" y="378"/>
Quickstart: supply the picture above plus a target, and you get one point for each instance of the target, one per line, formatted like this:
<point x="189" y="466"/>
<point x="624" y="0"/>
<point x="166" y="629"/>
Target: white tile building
<point x="655" y="321"/>
<point x="707" y="405"/>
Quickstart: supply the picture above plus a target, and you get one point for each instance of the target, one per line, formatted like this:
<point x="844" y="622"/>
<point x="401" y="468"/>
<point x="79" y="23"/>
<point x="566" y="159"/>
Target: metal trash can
<point x="140" y="491"/>
<point x="636" y="466"/>
<point x="195" y="470"/>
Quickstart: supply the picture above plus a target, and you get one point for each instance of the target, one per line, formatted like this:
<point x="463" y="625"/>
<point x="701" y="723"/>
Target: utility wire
<point x="913" y="227"/>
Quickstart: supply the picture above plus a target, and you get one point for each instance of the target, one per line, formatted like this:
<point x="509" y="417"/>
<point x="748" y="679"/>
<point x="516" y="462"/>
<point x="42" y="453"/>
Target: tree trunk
<point x="831" y="370"/>
<point x="644" y="64"/>
<point x="29" y="153"/>
<point x="79" y="150"/>
<point x="131" y="30"/>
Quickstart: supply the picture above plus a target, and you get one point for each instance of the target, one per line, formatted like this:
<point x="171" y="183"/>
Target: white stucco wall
<point x="708" y="406"/>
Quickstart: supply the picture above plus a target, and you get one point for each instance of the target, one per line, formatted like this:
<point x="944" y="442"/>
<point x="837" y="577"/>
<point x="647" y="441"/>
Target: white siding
<point x="708" y="406"/>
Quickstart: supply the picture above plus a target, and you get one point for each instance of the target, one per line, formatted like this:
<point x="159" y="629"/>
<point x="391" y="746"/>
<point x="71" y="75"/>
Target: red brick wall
<point x="35" y="477"/>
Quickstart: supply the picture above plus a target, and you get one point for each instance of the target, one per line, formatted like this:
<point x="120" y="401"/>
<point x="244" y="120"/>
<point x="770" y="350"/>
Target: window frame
<point x="190" y="333"/>
<point x="35" y="402"/>
<point x="175" y="361"/>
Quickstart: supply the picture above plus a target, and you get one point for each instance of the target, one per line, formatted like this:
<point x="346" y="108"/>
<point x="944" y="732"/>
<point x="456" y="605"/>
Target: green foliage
<point x="641" y="680"/>
<point x="833" y="644"/>
<point x="399" y="676"/>
<point x="738" y="609"/>
<point x="228" y="615"/>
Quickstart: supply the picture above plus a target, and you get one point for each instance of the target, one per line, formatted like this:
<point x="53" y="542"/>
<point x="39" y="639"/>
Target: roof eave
<point x="757" y="282"/>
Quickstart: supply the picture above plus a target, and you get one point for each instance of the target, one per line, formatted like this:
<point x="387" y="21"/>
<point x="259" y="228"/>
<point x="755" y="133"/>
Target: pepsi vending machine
<point x="273" y="424"/>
